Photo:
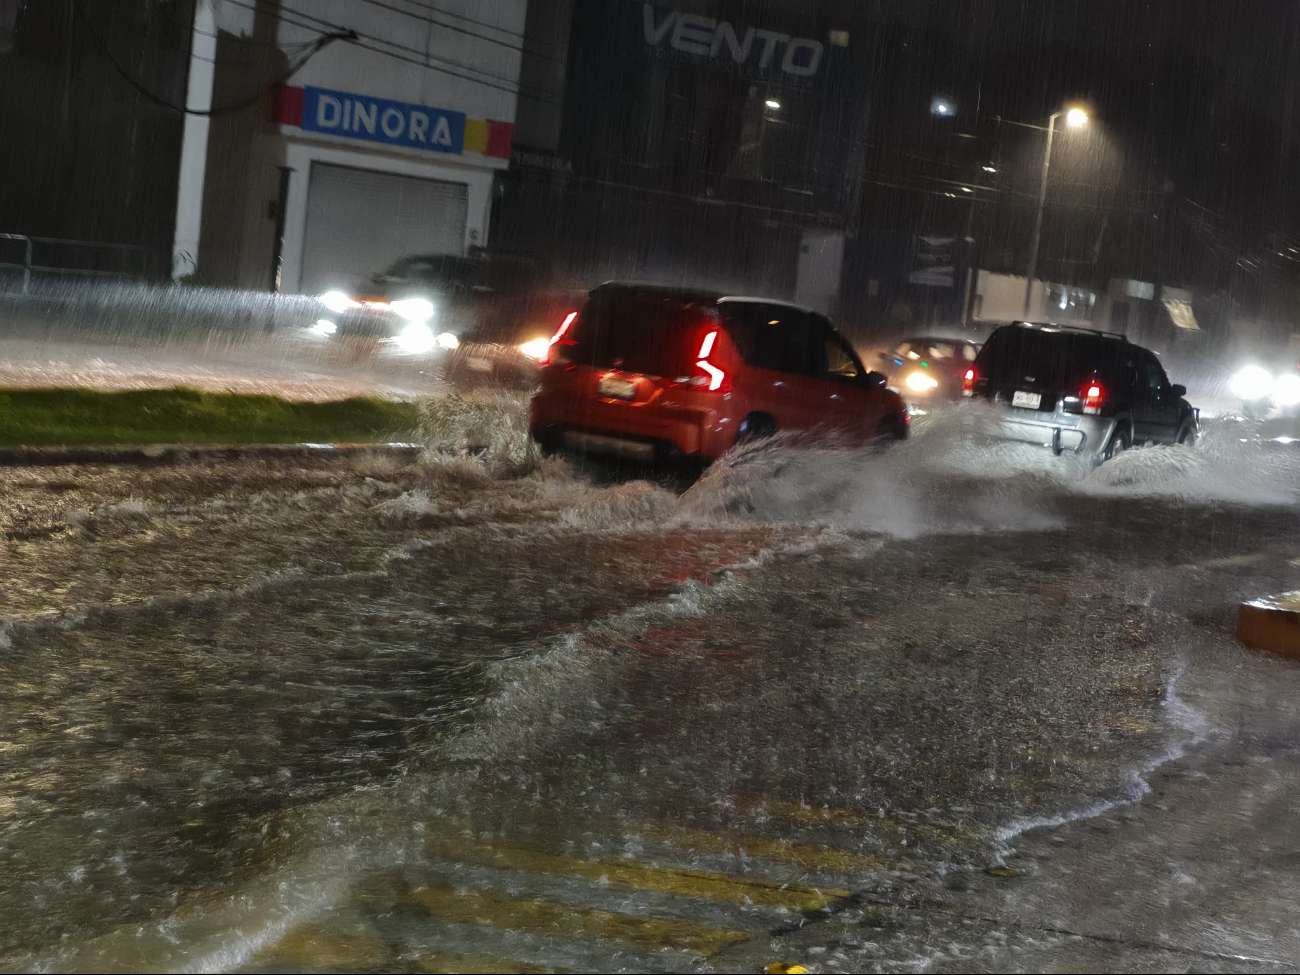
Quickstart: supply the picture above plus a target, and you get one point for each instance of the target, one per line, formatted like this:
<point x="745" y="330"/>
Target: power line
<point x="315" y="47"/>
<point x="420" y="58"/>
<point x="427" y="59"/>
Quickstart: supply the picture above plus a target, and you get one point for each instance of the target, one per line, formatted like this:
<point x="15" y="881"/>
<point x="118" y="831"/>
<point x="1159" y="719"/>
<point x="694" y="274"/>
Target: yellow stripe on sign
<point x="623" y="873"/>
<point x="476" y="135"/>
<point x="578" y="923"/>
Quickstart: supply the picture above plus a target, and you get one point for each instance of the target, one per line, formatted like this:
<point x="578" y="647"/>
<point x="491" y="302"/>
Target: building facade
<point x="715" y="144"/>
<point x="383" y="143"/>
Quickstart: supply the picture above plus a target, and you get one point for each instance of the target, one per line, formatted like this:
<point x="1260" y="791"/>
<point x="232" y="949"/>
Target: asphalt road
<point x="951" y="708"/>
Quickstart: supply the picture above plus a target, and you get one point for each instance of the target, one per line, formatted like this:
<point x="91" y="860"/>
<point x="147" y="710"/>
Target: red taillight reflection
<point x="559" y="334"/>
<point x="968" y="383"/>
<point x="1092" y="397"/>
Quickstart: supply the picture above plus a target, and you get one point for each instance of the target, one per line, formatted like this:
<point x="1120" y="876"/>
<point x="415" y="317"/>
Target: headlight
<point x="1251" y="383"/>
<point x="337" y="301"/>
<point x="921" y="382"/>
<point x="415" y="339"/>
<point x="413" y="309"/>
<point x="535" y="349"/>
<point x="448" y="341"/>
<point x="325" y="327"/>
<point x="1287" y="389"/>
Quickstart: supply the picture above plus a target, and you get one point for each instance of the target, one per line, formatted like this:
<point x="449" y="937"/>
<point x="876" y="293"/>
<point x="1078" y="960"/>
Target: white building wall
<point x="472" y="67"/>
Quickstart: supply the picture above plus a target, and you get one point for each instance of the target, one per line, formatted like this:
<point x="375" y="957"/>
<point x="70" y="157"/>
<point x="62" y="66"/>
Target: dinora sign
<point x="382" y="120"/>
<point x="747" y="47"/>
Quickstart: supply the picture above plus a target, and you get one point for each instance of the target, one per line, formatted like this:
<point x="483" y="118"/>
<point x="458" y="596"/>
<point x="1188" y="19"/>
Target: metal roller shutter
<point x="359" y="221"/>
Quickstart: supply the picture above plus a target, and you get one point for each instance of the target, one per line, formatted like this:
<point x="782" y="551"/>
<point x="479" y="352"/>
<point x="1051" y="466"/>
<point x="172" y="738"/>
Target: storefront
<point x="372" y="180"/>
<point x="374" y="151"/>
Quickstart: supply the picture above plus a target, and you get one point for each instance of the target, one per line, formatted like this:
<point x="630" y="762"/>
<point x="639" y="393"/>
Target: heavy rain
<point x="690" y="486"/>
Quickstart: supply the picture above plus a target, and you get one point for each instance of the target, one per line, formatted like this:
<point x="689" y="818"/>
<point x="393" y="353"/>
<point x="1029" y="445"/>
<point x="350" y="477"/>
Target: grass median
<point x="84" y="417"/>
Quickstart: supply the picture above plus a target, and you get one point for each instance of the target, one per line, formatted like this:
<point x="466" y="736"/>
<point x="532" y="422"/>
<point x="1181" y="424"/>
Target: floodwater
<point x="954" y="707"/>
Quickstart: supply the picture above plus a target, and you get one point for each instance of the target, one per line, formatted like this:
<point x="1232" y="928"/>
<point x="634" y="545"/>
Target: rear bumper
<point x="701" y="431"/>
<point x="1060" y="432"/>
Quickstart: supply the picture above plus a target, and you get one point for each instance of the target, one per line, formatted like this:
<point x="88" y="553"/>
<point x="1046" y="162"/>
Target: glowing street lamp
<point x="1075" y="118"/>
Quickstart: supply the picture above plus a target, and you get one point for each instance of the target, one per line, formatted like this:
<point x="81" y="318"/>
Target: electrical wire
<point x="427" y="60"/>
<point x="314" y="48"/>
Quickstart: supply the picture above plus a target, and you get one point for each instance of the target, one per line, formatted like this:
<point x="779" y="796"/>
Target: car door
<point x="782" y="364"/>
<point x="850" y="405"/>
<point x="1156" y="415"/>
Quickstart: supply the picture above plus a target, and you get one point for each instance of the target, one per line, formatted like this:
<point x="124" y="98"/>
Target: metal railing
<point x="28" y="267"/>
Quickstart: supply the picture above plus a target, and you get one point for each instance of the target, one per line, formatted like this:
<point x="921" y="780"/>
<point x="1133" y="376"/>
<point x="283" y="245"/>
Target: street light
<point x="1075" y="118"/>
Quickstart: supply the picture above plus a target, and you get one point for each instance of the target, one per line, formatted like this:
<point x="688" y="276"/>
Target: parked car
<point x="660" y="374"/>
<point x="1074" y="389"/>
<point x="928" y="369"/>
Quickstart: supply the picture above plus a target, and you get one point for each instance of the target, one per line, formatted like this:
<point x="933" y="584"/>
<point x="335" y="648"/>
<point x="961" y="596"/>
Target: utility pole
<point x="194" y="140"/>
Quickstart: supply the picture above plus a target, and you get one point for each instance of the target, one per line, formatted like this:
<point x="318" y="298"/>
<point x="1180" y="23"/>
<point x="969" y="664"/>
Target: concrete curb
<point x="198" y="453"/>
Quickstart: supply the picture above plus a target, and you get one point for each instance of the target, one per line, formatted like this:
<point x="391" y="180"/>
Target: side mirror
<point x="874" y="380"/>
<point x="1178" y="389"/>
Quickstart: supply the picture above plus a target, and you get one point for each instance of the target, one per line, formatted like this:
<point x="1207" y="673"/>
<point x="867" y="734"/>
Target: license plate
<point x="479" y="365"/>
<point x="617" y="388"/>
<point x="1028" y="401"/>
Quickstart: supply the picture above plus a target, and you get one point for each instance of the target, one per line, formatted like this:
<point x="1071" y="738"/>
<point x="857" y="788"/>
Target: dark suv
<point x="1074" y="389"/>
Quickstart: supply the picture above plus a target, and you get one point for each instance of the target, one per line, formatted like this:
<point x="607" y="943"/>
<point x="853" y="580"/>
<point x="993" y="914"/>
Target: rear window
<point x="1056" y="360"/>
<point x="637" y="331"/>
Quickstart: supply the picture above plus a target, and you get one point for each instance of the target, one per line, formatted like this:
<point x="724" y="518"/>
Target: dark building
<point x="713" y="144"/>
<point x="84" y="155"/>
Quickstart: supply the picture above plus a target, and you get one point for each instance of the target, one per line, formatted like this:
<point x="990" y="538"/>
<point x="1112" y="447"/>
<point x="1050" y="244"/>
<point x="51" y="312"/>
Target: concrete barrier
<point x="1271" y="623"/>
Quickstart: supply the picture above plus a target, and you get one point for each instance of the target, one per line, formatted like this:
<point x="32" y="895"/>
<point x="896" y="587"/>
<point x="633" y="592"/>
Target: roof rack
<point x="1074" y="328"/>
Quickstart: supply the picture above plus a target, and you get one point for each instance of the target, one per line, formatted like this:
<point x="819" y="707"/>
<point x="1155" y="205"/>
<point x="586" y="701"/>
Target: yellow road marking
<point x="777" y="851"/>
<point x="686" y="883"/>
<point x="453" y="963"/>
<point x="850" y="820"/>
<point x="317" y="946"/>
<point x="502" y="911"/>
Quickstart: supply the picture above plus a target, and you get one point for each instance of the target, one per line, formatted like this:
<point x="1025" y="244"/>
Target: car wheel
<point x="1187" y="435"/>
<point x="892" y="428"/>
<point x="549" y="440"/>
<point x="1118" y="443"/>
<point x="756" y="426"/>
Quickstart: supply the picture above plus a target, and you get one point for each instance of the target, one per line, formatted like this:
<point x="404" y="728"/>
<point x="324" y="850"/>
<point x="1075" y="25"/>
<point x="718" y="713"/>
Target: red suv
<point x="654" y="373"/>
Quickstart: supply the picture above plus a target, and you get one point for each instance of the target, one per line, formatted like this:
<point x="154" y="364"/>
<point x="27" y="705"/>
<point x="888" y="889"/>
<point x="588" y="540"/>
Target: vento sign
<point x="382" y="120"/>
<point x="748" y="47"/>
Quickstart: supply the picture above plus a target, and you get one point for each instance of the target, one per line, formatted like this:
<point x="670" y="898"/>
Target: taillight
<point x="565" y="325"/>
<point x="1092" y="397"/>
<point x="968" y="383"/>
<point x="717" y="378"/>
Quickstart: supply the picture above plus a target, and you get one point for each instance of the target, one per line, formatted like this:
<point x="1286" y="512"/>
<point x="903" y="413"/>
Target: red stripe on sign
<point x="286" y="105"/>
<point x="500" y="135"/>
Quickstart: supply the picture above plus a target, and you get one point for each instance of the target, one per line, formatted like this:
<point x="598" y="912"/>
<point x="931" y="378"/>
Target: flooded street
<point x="933" y="709"/>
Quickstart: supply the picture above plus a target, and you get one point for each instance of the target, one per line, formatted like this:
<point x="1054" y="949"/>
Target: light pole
<point x="1074" y="117"/>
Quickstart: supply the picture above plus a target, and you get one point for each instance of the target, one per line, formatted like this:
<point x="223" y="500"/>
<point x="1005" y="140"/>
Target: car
<point x="1074" y="389"/>
<point x="662" y="374"/>
<point x="507" y="343"/>
<point x="1267" y="391"/>
<point x="423" y="303"/>
<point x="928" y="369"/>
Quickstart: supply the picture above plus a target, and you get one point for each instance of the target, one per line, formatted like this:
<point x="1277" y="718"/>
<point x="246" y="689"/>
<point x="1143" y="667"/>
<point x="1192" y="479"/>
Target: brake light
<point x="565" y="325"/>
<point x="1092" y="396"/>
<point x="968" y="383"/>
<point x="717" y="377"/>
